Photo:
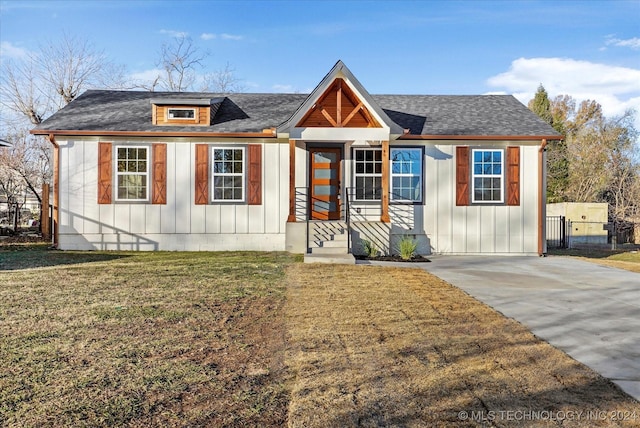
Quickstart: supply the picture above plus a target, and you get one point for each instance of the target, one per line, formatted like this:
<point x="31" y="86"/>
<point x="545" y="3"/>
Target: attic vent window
<point x="181" y="113"/>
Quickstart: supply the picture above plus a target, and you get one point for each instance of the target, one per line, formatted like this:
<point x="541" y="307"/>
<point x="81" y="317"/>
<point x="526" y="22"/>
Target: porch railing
<point x="347" y="218"/>
<point x="302" y="212"/>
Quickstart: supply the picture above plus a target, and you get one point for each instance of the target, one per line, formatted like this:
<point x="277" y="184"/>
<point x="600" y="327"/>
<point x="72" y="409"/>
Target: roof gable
<point x="340" y="100"/>
<point x="339" y="107"/>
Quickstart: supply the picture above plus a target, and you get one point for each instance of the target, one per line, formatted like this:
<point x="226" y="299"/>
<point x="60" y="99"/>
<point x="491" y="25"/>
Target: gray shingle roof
<point x="491" y="115"/>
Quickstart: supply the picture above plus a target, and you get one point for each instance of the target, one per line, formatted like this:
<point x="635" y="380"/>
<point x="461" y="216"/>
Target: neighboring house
<point x="202" y="171"/>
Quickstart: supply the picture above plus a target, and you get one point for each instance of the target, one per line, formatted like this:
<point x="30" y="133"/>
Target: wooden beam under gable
<point x="338" y="107"/>
<point x="353" y="113"/>
<point x="339" y="104"/>
<point x="327" y="116"/>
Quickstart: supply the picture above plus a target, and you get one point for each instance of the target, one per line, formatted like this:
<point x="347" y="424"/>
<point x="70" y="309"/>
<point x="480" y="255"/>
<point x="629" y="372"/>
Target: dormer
<point x="184" y="111"/>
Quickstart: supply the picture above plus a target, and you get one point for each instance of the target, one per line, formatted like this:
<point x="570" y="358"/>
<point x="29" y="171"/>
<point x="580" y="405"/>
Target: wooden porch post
<point x="384" y="215"/>
<point x="292" y="182"/>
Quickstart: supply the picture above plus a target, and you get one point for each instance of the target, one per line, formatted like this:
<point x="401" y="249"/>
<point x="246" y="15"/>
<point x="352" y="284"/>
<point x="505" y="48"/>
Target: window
<point x="181" y="113"/>
<point x="228" y="176"/>
<point x="132" y="173"/>
<point x="406" y="174"/>
<point x="368" y="174"/>
<point x="487" y="175"/>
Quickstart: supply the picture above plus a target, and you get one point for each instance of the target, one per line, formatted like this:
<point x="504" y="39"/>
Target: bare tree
<point x="34" y="87"/>
<point x="179" y="61"/>
<point x="21" y="93"/>
<point x="224" y="81"/>
<point x="69" y="66"/>
<point x="601" y="153"/>
<point x="46" y="80"/>
<point x="24" y="166"/>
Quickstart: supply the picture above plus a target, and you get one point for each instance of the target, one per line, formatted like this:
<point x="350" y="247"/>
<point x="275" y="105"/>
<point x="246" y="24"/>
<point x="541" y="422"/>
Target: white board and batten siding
<point x="479" y="229"/>
<point x="179" y="224"/>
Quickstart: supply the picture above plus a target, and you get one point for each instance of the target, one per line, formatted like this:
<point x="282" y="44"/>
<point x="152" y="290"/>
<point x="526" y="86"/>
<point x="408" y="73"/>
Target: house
<point x="203" y="171"/>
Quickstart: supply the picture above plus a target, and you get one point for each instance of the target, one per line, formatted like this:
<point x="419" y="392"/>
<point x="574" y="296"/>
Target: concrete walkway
<point x="589" y="311"/>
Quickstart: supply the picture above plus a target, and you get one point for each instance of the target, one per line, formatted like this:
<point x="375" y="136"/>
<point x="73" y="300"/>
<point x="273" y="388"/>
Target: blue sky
<point x="586" y="49"/>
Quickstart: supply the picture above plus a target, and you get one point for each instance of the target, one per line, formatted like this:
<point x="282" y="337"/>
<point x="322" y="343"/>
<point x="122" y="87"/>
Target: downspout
<point x="542" y="200"/>
<point x="56" y="188"/>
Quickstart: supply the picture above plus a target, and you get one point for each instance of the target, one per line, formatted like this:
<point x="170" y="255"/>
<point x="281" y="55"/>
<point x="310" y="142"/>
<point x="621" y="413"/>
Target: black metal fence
<point x="557" y="232"/>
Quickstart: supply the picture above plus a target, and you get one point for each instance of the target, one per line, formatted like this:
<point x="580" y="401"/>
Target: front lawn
<point x="145" y="339"/>
<point x="107" y="339"/>
<point x="374" y="346"/>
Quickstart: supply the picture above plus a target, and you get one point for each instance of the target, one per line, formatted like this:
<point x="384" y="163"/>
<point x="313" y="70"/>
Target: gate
<point x="556" y="232"/>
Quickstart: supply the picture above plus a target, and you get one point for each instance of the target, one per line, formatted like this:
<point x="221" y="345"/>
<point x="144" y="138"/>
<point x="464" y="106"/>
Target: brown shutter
<point x="105" y="171"/>
<point x="513" y="176"/>
<point x="462" y="176"/>
<point x="254" y="183"/>
<point x="159" y="185"/>
<point x="202" y="174"/>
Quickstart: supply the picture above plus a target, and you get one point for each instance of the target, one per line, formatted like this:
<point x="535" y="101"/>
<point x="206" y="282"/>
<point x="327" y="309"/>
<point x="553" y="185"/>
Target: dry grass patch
<point x="142" y="339"/>
<point x="372" y="346"/>
<point x="621" y="259"/>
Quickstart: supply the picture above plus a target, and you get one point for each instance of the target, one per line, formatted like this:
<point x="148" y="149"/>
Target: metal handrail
<point x="303" y="200"/>
<point x="347" y="217"/>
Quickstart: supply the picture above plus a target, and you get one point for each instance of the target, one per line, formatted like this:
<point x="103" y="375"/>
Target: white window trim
<point x="222" y="174"/>
<point x="474" y="175"/>
<point x="364" y="174"/>
<point x="193" y="109"/>
<point x="391" y="175"/>
<point x="117" y="173"/>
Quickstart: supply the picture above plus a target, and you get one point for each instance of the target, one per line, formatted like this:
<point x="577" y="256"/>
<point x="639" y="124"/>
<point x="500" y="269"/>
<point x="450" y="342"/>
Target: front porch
<point x="325" y="240"/>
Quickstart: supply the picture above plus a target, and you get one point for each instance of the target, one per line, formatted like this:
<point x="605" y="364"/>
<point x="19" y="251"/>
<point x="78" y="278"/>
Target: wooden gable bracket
<point x="321" y="114"/>
<point x="327" y="116"/>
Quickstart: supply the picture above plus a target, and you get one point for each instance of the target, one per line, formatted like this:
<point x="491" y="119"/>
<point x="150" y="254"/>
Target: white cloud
<point x="226" y="36"/>
<point x="174" y="33"/>
<point x="10" y="51"/>
<point x="633" y="43"/>
<point x="614" y="88"/>
<point x="223" y="36"/>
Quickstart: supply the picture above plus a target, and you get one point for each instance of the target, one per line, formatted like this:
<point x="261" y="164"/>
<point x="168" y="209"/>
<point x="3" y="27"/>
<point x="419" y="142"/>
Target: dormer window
<point x="178" y="111"/>
<point x="181" y="113"/>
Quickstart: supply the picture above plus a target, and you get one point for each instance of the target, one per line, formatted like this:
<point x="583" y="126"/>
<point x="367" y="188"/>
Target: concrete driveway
<point x="591" y="312"/>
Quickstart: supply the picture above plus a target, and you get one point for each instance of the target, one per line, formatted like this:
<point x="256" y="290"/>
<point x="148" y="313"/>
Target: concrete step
<point x="329" y="250"/>
<point x="330" y="238"/>
<point x="340" y="259"/>
<point x="327" y="232"/>
<point x="334" y="243"/>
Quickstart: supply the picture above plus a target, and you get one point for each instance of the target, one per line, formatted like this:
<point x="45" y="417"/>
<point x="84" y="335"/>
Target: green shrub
<point x="407" y="247"/>
<point x="370" y="248"/>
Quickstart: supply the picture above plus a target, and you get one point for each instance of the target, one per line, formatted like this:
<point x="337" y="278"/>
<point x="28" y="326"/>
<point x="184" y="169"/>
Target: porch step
<point x="330" y="250"/>
<point x="328" y="238"/>
<point x="339" y="259"/>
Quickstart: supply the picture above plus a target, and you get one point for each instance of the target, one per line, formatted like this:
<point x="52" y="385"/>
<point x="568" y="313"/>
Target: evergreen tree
<point x="541" y="105"/>
<point x="557" y="163"/>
